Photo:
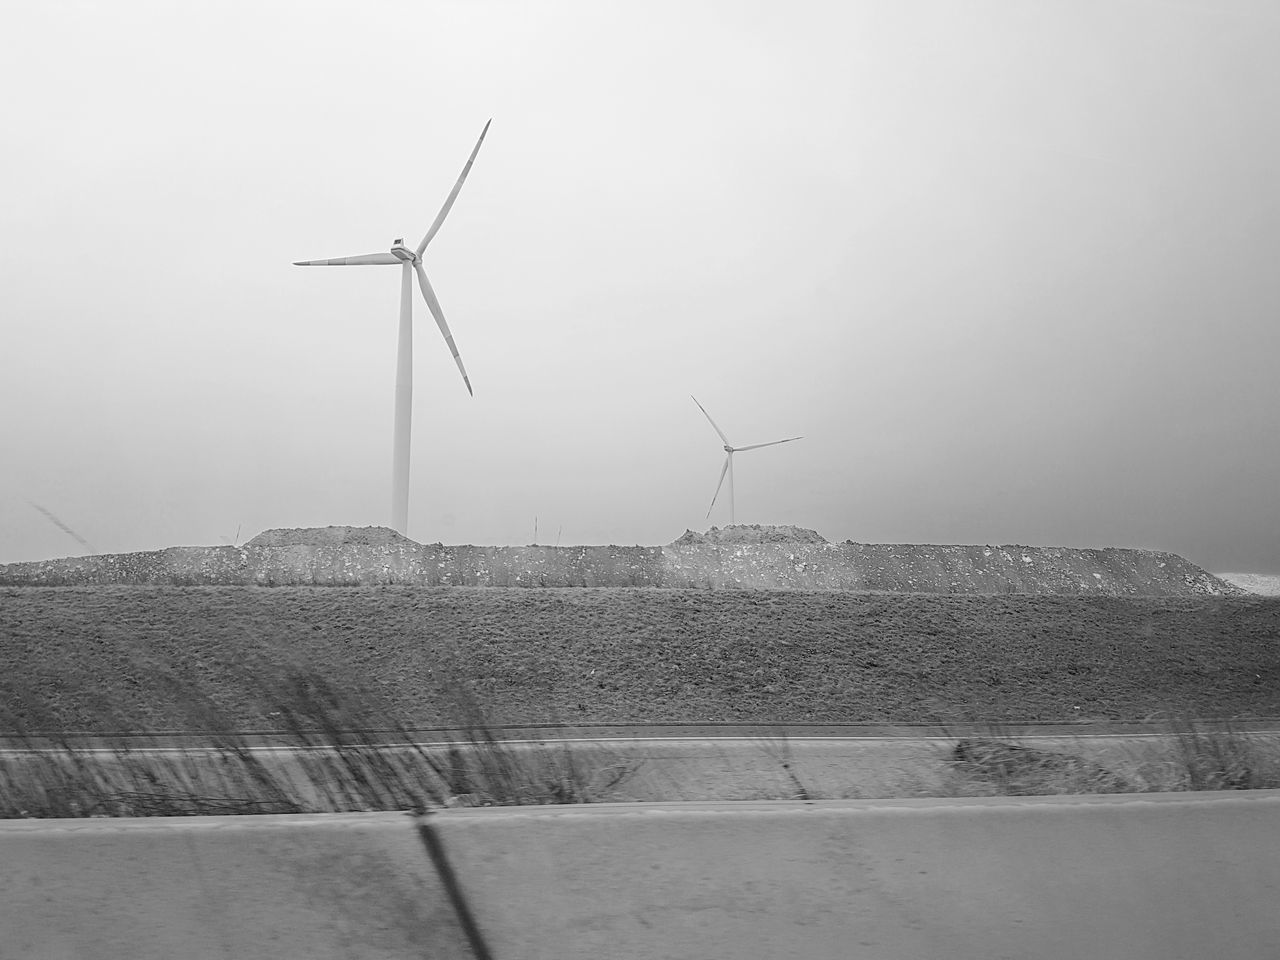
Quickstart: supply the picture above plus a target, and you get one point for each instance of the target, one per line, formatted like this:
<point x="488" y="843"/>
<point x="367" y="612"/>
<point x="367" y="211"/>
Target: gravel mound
<point x="329" y="537"/>
<point x="738" y="557"/>
<point x="751" y="533"/>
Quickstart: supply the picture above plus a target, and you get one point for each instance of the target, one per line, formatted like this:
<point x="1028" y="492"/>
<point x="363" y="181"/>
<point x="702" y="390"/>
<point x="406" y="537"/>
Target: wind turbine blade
<point x="712" y="422"/>
<point x="434" y="306"/>
<point x="64" y="528"/>
<point x="723" y="471"/>
<point x="453" y="194"/>
<point x="361" y="261"/>
<point x="757" y="446"/>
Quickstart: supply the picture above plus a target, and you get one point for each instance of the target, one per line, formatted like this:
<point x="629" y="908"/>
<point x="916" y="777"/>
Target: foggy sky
<point x="1009" y="267"/>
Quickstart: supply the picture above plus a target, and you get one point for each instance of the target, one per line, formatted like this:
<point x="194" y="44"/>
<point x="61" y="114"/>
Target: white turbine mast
<point x="410" y="262"/>
<point x="730" y="450"/>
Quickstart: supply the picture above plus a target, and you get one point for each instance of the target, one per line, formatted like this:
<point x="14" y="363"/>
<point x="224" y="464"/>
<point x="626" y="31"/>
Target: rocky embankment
<point x="740" y="557"/>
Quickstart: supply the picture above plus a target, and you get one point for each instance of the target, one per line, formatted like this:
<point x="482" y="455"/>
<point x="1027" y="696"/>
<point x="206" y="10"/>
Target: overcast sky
<point x="1010" y="266"/>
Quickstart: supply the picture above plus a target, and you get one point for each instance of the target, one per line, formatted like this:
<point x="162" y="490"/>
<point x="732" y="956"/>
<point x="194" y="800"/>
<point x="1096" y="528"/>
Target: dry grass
<point x="339" y="771"/>
<point x="344" y="755"/>
<point x="1193" y="758"/>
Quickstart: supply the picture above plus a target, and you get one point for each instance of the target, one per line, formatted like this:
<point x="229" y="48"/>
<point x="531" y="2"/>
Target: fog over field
<point x="1009" y="268"/>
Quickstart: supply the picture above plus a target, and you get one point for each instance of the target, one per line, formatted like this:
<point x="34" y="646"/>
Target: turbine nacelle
<point x="403" y="253"/>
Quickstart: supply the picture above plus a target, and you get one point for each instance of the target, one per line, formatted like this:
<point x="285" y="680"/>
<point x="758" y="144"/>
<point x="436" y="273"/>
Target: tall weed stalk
<point x="339" y="751"/>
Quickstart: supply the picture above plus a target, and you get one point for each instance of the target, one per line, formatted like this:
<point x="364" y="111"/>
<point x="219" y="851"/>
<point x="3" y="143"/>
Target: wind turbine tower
<point x="730" y="450"/>
<point x="410" y="262"/>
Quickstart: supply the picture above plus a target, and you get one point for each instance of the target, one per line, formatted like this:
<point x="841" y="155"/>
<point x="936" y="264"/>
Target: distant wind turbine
<point x="410" y="262"/>
<point x="730" y="450"/>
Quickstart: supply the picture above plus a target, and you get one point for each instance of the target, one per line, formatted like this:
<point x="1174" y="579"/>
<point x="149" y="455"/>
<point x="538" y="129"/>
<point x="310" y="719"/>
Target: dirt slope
<point x="113" y="657"/>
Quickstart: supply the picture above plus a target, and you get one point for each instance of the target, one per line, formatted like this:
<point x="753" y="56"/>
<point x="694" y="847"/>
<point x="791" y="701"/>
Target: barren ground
<point x="112" y="658"/>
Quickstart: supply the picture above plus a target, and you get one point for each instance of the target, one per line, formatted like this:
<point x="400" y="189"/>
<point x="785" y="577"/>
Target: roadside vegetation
<point x="336" y="767"/>
<point x="335" y="751"/>
<point x="1191" y="758"/>
<point x="344" y="676"/>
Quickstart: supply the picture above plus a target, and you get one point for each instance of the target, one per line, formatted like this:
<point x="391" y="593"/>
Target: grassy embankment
<point x="324" y="662"/>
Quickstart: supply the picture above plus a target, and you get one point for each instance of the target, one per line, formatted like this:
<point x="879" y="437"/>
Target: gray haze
<point x="1010" y="267"/>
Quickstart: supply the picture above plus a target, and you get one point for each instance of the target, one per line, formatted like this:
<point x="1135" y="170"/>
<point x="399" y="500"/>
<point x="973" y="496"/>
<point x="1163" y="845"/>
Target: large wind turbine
<point x="730" y="450"/>
<point x="410" y="262"/>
